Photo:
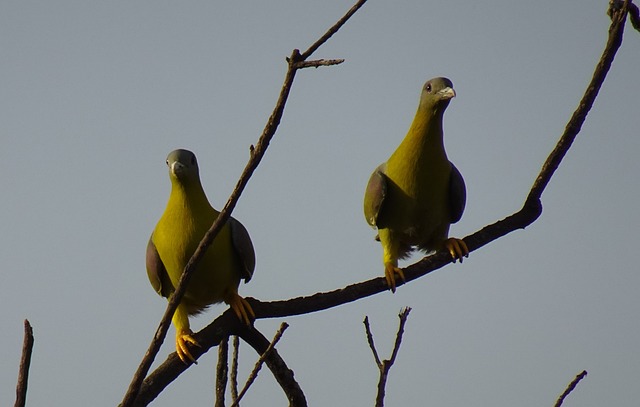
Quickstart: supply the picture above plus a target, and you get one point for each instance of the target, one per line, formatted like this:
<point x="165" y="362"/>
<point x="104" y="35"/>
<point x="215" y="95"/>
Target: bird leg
<point x="390" y="255"/>
<point x="184" y="334"/>
<point x="184" y="337"/>
<point x="457" y="247"/>
<point x="390" y="271"/>
<point x="241" y="307"/>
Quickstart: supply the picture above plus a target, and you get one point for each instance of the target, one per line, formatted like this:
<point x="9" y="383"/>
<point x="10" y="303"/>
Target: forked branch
<point x="385" y="365"/>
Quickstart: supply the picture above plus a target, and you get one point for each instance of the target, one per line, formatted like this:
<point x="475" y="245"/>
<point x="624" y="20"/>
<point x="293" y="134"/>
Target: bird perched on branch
<point x="415" y="196"/>
<point x="229" y="259"/>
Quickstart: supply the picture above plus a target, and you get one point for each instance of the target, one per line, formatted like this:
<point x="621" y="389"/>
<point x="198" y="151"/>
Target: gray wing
<point x="374" y="196"/>
<point x="457" y="194"/>
<point x="156" y="271"/>
<point x="243" y="247"/>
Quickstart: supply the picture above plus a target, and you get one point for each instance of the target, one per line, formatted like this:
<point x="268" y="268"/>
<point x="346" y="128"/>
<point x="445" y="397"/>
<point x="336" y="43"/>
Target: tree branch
<point x="570" y="388"/>
<point x="318" y="62"/>
<point x="385" y="365"/>
<point x="277" y="365"/>
<point x="222" y="371"/>
<point x="234" y="369"/>
<point x="372" y="345"/>
<point x="334" y="29"/>
<point x="256" y="369"/>
<point x="577" y="119"/>
<point x="225" y="325"/>
<point x="25" y="362"/>
<point x="634" y="16"/>
<point x="257" y="152"/>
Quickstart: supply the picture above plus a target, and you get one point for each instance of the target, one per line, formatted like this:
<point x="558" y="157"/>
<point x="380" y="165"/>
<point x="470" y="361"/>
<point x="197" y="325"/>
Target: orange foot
<point x="184" y="337"/>
<point x="390" y="272"/>
<point x="242" y="308"/>
<point x="457" y="247"/>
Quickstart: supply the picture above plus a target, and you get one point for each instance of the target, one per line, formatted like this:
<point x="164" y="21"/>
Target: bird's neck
<point x="189" y="198"/>
<point x="424" y="140"/>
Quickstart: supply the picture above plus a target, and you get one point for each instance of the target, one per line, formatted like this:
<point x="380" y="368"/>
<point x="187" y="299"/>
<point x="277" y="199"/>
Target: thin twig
<point x="222" y="371"/>
<point x="531" y="210"/>
<point x="580" y="115"/>
<point x="386" y="364"/>
<point x="283" y="375"/>
<point x="225" y="325"/>
<point x="372" y="345"/>
<point x="403" y="315"/>
<point x="318" y="62"/>
<point x="25" y="362"/>
<point x="257" y="152"/>
<point x="570" y="388"/>
<point x="333" y="29"/>
<point x="234" y="369"/>
<point x="256" y="369"/>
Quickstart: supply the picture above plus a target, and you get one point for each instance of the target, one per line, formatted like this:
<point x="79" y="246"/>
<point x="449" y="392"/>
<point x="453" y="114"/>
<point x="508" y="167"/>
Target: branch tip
<point x="25" y="363"/>
<point x="333" y="29"/>
<point x="385" y="365"/>
<point x="570" y="388"/>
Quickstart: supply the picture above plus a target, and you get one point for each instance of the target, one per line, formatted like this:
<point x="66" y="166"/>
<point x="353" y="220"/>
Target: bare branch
<point x="334" y="29"/>
<point x="234" y="369"/>
<point x="570" y="388"/>
<point x="634" y="16"/>
<point x="225" y="325"/>
<point x="277" y="365"/>
<point x="386" y="364"/>
<point x="579" y="116"/>
<point x="372" y="345"/>
<point x="403" y="315"/>
<point x="318" y="62"/>
<point x="257" y="152"/>
<point x="222" y="371"/>
<point x="256" y="369"/>
<point x="25" y="362"/>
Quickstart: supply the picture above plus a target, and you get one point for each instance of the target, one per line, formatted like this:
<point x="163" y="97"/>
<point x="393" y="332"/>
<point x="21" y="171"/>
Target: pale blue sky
<point x="95" y="94"/>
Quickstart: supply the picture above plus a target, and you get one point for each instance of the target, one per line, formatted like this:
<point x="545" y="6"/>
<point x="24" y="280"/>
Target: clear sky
<point x="95" y="94"/>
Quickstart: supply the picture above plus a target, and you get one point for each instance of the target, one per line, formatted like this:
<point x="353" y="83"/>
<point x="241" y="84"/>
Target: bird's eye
<point x="167" y="162"/>
<point x="193" y="160"/>
<point x="428" y="87"/>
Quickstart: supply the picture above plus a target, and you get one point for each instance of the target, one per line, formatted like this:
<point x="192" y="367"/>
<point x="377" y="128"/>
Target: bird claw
<point x="457" y="247"/>
<point x="242" y="309"/>
<point x="390" y="272"/>
<point x="182" y="339"/>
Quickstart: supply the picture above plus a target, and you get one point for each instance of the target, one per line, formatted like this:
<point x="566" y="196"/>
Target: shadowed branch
<point x="256" y="369"/>
<point x="222" y="371"/>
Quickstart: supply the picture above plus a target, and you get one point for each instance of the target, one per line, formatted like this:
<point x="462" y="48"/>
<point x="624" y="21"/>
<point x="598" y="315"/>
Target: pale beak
<point x="447" y="93"/>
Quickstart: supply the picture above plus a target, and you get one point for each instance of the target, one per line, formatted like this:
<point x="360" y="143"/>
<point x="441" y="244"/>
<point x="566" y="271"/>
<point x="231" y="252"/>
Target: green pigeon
<point x="229" y="259"/>
<point x="415" y="196"/>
